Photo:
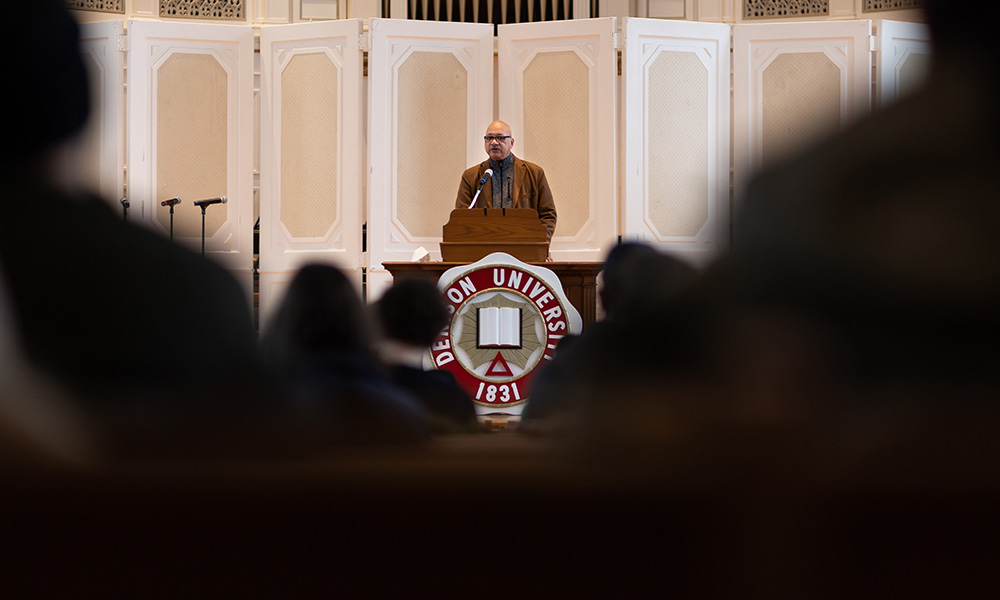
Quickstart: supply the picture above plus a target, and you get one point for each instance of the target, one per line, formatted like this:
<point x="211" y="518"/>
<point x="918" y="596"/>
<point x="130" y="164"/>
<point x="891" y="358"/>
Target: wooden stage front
<point x="579" y="279"/>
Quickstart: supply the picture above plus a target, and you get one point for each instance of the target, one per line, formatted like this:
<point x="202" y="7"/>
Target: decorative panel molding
<point x="676" y="144"/>
<point x="881" y="5"/>
<point x="231" y="10"/>
<point x="309" y="144"/>
<point x="557" y="107"/>
<point x="557" y="92"/>
<point x="803" y="102"/>
<point x="677" y="120"/>
<point x="191" y="148"/>
<point x="311" y="205"/>
<point x="436" y="85"/>
<point x="431" y="100"/>
<point x="108" y="6"/>
<point x="776" y="9"/>
<point x="190" y="117"/>
<point x="794" y="84"/>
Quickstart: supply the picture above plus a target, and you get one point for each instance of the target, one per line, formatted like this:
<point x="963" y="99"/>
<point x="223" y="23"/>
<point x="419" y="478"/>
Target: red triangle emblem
<point x="499" y="367"/>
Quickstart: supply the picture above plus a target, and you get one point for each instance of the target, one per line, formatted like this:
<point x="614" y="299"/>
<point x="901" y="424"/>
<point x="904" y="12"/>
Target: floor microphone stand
<point x="125" y="205"/>
<point x="203" y="204"/>
<point x="203" y="207"/>
<point x="171" y="203"/>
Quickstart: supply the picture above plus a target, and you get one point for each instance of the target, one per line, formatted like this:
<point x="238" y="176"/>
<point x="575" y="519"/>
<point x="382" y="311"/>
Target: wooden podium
<point x="471" y="234"/>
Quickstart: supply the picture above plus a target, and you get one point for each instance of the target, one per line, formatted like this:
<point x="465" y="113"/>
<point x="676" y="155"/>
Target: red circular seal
<point x="506" y="319"/>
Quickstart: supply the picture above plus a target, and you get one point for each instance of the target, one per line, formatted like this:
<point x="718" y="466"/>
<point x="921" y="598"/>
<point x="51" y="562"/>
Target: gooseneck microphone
<point x="211" y="201"/>
<point x="171" y="202"/>
<point x="486" y="175"/>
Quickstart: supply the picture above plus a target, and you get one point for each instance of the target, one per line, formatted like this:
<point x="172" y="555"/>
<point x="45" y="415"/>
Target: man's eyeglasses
<point x="499" y="138"/>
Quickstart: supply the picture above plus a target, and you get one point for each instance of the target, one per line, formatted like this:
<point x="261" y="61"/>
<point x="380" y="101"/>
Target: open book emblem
<point x="498" y="327"/>
<point x="499" y="367"/>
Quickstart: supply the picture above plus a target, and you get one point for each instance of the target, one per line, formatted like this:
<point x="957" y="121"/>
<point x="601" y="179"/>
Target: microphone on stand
<point x="486" y="175"/>
<point x="205" y="204"/>
<point x="124" y="202"/>
<point x="220" y="200"/>
<point x="172" y="202"/>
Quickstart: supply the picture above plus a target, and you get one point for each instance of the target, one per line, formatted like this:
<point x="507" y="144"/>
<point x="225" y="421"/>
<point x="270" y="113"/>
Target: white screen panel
<point x="557" y="92"/>
<point x="311" y="204"/>
<point x="793" y="84"/>
<point x="431" y="100"/>
<point x="190" y="116"/>
<point x="676" y="144"/>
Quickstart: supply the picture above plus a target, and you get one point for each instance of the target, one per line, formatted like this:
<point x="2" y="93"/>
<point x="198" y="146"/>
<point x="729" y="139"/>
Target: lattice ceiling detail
<point x="880" y="5"/>
<point x="110" y="6"/>
<point x="776" y="9"/>
<point x="203" y="9"/>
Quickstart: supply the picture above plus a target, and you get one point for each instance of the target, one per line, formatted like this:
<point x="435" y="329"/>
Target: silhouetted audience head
<point x="412" y="311"/>
<point x="637" y="278"/>
<point x="619" y="272"/>
<point x="658" y="280"/>
<point x="319" y="348"/>
<point x="53" y="98"/>
<point x="965" y="31"/>
<point x="321" y="311"/>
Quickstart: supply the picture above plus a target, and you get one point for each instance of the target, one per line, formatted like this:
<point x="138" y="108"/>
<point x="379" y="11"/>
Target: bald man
<point x="515" y="183"/>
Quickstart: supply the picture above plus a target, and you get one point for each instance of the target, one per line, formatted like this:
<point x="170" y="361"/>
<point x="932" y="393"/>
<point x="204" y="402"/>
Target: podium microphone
<point x="220" y="200"/>
<point x="172" y="202"/>
<point x="486" y="175"/>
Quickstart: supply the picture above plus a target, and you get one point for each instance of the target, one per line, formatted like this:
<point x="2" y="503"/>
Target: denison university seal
<point x="506" y="319"/>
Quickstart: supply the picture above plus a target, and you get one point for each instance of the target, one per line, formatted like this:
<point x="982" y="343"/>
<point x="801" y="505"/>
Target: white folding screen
<point x="676" y="144"/>
<point x="431" y="100"/>
<point x="794" y="83"/>
<point x="191" y="135"/>
<point x="904" y="59"/>
<point x="311" y="205"/>
<point x="102" y="45"/>
<point x="557" y="91"/>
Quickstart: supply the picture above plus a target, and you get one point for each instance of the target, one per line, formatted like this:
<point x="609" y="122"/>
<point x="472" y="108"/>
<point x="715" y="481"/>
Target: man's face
<point x="498" y="142"/>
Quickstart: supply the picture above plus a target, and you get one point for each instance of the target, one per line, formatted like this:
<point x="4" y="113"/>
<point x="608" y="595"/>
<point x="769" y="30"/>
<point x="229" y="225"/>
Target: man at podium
<point x="506" y="181"/>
